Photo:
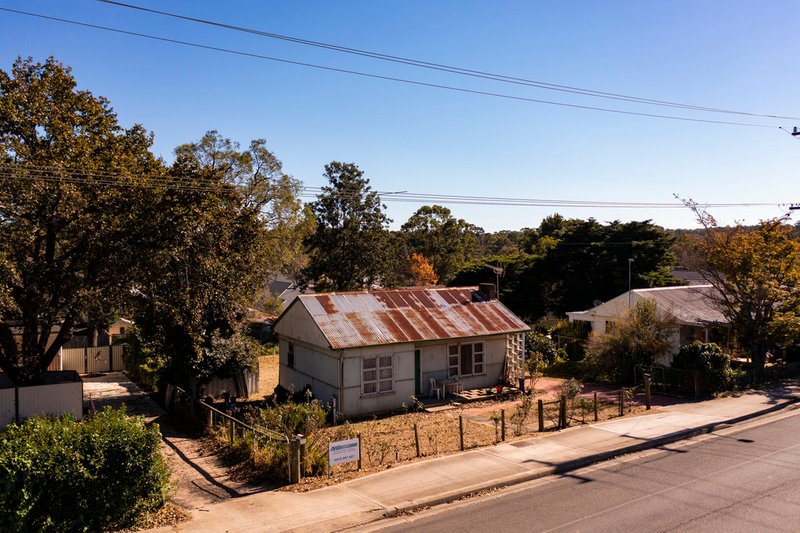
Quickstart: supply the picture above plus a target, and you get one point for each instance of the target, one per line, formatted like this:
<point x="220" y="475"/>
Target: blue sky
<point x="733" y="54"/>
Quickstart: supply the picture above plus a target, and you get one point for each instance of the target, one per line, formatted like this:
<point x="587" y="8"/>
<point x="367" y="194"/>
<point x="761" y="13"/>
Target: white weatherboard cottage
<point x="691" y="307"/>
<point x="374" y="350"/>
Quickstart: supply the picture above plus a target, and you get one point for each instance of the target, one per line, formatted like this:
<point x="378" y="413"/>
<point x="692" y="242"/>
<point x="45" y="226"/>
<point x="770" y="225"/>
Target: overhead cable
<point x="382" y="77"/>
<point x="84" y="177"/>
<point x="448" y="68"/>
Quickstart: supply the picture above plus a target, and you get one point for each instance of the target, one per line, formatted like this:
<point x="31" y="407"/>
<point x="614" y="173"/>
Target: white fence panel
<point x="90" y="360"/>
<point x="116" y="357"/>
<point x="73" y="359"/>
<point x="52" y="400"/>
<point x="6" y="407"/>
<point x="97" y="359"/>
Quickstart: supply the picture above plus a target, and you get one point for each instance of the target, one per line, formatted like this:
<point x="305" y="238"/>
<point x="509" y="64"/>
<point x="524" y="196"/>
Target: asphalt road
<point x="746" y="480"/>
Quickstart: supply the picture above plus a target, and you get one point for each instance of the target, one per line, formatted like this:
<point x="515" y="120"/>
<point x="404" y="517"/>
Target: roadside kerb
<point x="575" y="464"/>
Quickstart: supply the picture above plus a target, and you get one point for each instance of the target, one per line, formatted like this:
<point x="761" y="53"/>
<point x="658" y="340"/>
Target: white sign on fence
<point x="343" y="451"/>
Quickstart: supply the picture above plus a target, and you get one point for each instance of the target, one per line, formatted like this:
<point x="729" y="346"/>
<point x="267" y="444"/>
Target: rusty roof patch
<point x="354" y="319"/>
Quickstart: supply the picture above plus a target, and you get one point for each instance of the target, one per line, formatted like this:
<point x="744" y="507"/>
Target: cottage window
<point x="377" y="374"/>
<point x="290" y="355"/>
<point x="465" y="359"/>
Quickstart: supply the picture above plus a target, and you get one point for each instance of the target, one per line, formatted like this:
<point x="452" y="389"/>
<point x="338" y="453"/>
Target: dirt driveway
<point x="200" y="478"/>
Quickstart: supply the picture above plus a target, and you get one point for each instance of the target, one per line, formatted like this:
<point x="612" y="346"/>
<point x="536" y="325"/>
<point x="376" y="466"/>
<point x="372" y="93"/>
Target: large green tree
<point x="573" y="263"/>
<point x="70" y="242"/>
<point x="584" y="260"/>
<point x="447" y="242"/>
<point x="756" y="272"/>
<point x="348" y="250"/>
<point x="226" y="239"/>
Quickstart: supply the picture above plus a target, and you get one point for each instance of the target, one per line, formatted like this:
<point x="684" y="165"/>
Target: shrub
<point x="710" y="360"/>
<point x="291" y="419"/>
<point x="572" y="338"/>
<point x="637" y="339"/>
<point x="101" y="474"/>
<point x="143" y="361"/>
<point x="542" y="345"/>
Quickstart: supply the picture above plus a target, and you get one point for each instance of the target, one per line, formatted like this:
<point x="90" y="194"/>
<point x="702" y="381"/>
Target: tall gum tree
<point x="348" y="250"/>
<point x="67" y="237"/>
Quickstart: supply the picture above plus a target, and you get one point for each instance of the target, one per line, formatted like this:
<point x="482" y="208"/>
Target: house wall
<point x="354" y="402"/>
<point x="434" y="363"/>
<point x="313" y="365"/>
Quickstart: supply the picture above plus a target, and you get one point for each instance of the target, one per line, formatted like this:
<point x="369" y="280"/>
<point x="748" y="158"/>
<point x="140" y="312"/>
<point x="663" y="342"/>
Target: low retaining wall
<point x="62" y="393"/>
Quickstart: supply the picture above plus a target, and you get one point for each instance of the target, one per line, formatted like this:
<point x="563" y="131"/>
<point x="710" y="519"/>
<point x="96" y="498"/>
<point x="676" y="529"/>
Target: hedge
<point x="60" y="475"/>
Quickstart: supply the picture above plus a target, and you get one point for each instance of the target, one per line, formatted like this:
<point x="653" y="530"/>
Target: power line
<point x="447" y="68"/>
<point x="381" y="77"/>
<point x="75" y="176"/>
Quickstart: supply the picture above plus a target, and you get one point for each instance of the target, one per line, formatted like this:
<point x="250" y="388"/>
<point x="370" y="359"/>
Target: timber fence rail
<point x="234" y="429"/>
<point x="422" y="438"/>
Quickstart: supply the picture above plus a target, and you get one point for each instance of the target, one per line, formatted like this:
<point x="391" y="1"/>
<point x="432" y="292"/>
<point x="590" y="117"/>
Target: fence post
<point x="562" y="412"/>
<point x="461" y="431"/>
<point x="621" y="394"/>
<point x="360" y="442"/>
<point x="416" y="439"/>
<point x="595" y="406"/>
<point x="294" y="460"/>
<point x="647" y="391"/>
<point x="503" y="425"/>
<point x="231" y="429"/>
<point x="302" y="457"/>
<point x="541" y="415"/>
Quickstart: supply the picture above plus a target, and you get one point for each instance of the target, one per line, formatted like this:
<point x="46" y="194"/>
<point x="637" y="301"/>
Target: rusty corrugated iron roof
<point x="353" y="319"/>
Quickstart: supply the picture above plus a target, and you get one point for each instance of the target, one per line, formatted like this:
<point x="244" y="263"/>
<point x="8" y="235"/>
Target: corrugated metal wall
<point x="51" y="400"/>
<point x="90" y="360"/>
<point x="238" y="387"/>
<point x="6" y="407"/>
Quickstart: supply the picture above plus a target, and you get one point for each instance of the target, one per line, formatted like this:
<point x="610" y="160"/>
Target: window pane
<point x="385" y="386"/>
<point x="386" y="361"/>
<point x="385" y="373"/>
<point x="478" y="358"/>
<point x="370" y="388"/>
<point x="370" y="362"/>
<point x="453" y="349"/>
<point x="453" y="372"/>
<point x="370" y="375"/>
<point x="479" y="368"/>
<point x="478" y="347"/>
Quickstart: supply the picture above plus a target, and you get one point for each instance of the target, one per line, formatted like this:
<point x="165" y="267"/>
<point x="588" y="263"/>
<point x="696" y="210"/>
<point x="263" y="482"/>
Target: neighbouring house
<point x="373" y="350"/>
<point x="116" y="331"/>
<point x="285" y="288"/>
<point x="692" y="307"/>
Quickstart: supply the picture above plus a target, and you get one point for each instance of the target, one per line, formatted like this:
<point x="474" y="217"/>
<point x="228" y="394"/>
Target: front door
<point x="417" y="374"/>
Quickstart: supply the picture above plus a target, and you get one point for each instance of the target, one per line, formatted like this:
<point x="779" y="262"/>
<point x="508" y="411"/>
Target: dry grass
<point x="267" y="376"/>
<point x="390" y="441"/>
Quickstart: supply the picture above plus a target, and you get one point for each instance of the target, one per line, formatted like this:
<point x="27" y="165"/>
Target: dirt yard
<point x="391" y="440"/>
<point x="267" y="376"/>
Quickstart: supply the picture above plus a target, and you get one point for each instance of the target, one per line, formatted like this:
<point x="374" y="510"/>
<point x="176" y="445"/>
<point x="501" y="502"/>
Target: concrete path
<point x="445" y="479"/>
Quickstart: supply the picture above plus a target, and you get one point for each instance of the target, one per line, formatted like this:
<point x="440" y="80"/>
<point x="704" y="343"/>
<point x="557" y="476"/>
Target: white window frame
<point x="455" y="355"/>
<point x="377" y="374"/>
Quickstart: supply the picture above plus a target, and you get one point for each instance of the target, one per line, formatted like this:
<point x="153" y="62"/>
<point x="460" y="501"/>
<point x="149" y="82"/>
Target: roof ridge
<point x="402" y="289"/>
<point x="650" y="289"/>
